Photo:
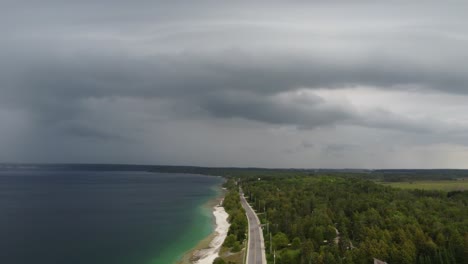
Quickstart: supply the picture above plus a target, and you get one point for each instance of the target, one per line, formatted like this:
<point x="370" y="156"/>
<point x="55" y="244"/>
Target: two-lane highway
<point x="256" y="245"/>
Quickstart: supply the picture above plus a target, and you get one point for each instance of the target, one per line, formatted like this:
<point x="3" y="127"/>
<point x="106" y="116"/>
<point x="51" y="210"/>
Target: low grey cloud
<point x="121" y="73"/>
<point x="84" y="131"/>
<point x="339" y="150"/>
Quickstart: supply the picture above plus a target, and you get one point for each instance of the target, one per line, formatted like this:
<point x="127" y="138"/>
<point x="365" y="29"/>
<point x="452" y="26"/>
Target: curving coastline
<point x="208" y="255"/>
<point x="208" y="249"/>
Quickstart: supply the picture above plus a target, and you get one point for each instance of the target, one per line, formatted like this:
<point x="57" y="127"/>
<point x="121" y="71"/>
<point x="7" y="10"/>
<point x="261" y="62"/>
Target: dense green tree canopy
<point x="349" y="220"/>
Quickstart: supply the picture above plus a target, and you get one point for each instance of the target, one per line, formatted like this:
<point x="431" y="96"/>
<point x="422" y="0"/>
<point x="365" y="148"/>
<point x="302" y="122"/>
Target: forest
<point x="334" y="219"/>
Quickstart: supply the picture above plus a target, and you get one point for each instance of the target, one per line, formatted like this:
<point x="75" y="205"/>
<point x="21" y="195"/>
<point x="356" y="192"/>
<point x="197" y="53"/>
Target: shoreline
<point x="208" y="249"/>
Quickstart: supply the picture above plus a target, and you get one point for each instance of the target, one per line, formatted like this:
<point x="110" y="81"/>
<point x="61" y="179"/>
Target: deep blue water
<point x="86" y="217"/>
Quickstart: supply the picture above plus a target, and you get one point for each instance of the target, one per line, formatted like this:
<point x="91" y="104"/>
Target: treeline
<point x="380" y="175"/>
<point x="237" y="218"/>
<point x="229" y="172"/>
<point x="349" y="220"/>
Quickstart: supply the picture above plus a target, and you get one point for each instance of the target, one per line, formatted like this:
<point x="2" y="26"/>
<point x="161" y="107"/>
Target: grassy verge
<point x="446" y="185"/>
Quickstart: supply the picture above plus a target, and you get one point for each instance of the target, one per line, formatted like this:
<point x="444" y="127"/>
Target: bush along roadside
<point x="237" y="231"/>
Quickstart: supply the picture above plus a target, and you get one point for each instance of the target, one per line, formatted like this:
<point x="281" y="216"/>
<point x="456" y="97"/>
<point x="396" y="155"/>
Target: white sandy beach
<point x="207" y="255"/>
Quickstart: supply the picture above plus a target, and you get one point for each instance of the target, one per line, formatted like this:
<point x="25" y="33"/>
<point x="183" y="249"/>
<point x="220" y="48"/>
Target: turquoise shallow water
<point x="202" y="226"/>
<point x="98" y="217"/>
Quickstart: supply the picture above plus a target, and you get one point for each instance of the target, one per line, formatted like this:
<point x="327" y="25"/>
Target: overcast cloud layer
<point x="308" y="84"/>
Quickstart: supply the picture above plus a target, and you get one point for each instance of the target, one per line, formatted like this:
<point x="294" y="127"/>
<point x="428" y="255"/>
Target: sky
<point x="303" y="84"/>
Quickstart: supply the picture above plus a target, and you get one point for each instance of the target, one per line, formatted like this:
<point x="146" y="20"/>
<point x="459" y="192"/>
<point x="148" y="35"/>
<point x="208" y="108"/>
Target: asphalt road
<point x="256" y="245"/>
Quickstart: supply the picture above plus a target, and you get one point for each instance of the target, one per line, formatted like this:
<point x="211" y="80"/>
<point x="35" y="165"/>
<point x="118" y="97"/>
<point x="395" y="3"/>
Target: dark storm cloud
<point x="222" y="86"/>
<point x="89" y="69"/>
<point x="193" y="73"/>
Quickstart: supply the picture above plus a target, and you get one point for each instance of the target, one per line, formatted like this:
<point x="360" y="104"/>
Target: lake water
<point x="102" y="217"/>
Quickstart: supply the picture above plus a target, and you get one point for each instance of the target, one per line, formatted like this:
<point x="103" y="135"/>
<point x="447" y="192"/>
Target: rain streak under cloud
<point x="271" y="84"/>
